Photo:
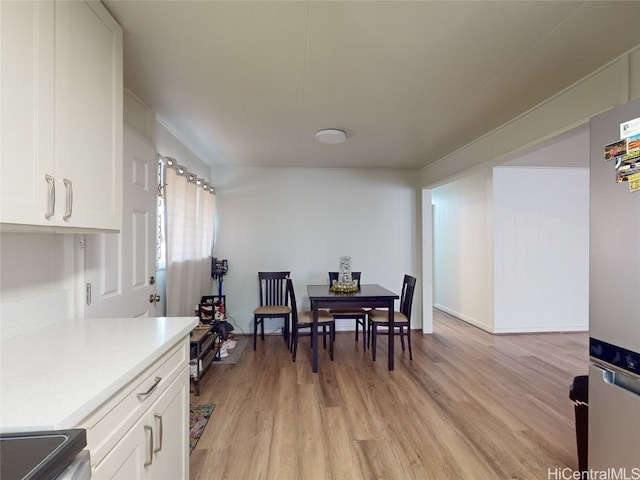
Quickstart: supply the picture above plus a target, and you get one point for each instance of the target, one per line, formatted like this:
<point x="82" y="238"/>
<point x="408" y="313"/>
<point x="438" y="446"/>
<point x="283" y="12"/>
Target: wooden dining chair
<point x="358" y="314"/>
<point x="401" y="318"/>
<point x="303" y="320"/>
<point x="274" y="303"/>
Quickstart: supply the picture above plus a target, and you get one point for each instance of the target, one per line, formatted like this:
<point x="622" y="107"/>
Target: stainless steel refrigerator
<point x="614" y="293"/>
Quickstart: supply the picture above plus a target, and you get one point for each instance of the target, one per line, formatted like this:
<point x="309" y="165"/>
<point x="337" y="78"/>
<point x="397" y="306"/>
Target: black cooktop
<point x="39" y="455"/>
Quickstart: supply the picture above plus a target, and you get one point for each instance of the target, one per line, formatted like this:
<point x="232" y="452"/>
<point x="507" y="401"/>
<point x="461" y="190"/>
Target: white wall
<point x="138" y="116"/>
<point x="541" y="249"/>
<point x="36" y="281"/>
<point x="463" y="264"/>
<point x="511" y="243"/>
<point x="567" y="150"/>
<point x="303" y="220"/>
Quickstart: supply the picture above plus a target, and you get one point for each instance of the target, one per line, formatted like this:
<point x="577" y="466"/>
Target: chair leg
<point x="294" y="342"/>
<point x="332" y="331"/>
<point x="255" y="331"/>
<point x="409" y="342"/>
<point x="324" y="336"/>
<point x="373" y="335"/>
<point x="357" y="327"/>
<point x="364" y="334"/>
<point x="402" y="337"/>
<point x="292" y="338"/>
<point x="286" y="330"/>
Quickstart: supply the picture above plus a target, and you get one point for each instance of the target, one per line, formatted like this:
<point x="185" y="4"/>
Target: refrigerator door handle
<point x="620" y="380"/>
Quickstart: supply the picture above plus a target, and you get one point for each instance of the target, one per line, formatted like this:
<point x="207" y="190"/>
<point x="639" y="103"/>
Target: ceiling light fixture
<point x="331" y="136"/>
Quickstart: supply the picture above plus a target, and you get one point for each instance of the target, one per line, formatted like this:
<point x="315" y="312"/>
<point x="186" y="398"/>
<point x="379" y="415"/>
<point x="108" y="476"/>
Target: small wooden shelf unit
<point x="205" y="346"/>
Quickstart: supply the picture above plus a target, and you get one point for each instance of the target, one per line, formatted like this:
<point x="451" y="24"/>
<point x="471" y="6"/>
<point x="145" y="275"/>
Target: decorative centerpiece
<point x="344" y="284"/>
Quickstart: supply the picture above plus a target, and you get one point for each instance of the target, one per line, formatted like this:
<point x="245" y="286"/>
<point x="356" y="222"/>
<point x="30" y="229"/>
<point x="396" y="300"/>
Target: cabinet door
<point x="157" y="446"/>
<point x="88" y="115"/>
<point x="126" y="460"/>
<point x="170" y="417"/>
<point x="26" y="117"/>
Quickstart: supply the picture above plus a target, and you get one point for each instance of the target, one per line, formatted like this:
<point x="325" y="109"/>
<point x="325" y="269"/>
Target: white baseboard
<point x="513" y="329"/>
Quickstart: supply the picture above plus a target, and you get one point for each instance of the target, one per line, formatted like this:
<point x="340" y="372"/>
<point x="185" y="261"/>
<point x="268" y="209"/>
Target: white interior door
<point x="120" y="268"/>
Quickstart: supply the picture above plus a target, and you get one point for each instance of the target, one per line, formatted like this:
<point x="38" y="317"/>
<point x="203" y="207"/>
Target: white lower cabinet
<point x="156" y="447"/>
<point x="142" y="431"/>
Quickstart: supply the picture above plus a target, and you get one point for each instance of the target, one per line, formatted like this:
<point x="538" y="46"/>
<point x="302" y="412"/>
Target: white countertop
<point x="52" y="378"/>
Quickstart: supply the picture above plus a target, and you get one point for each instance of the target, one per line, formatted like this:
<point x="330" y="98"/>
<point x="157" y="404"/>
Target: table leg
<point x="391" y="342"/>
<point x="314" y="337"/>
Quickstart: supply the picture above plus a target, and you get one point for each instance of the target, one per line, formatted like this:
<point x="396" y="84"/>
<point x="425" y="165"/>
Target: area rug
<point x="234" y="353"/>
<point x="198" y="419"/>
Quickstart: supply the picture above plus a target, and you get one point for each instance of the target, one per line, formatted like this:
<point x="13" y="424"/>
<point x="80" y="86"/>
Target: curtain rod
<point x="181" y="170"/>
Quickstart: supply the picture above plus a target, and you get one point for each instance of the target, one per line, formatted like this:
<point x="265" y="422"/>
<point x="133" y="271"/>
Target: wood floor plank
<point x="470" y="405"/>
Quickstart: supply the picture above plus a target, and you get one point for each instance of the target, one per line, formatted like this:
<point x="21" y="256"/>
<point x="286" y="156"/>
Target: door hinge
<point x="87" y="293"/>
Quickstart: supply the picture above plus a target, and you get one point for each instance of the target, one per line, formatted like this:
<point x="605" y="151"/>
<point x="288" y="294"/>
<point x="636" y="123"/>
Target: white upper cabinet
<point x="61" y="116"/>
<point x="26" y="110"/>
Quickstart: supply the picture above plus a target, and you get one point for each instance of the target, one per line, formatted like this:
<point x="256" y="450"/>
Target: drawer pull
<point x="159" y="423"/>
<point x="142" y="396"/>
<point x="69" y="210"/>
<point x="51" y="203"/>
<point x="149" y="461"/>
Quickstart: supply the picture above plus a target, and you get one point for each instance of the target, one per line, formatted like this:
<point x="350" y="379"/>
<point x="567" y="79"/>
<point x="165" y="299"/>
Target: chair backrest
<point x="406" y="298"/>
<point x="354" y="276"/>
<point x="292" y="295"/>
<point x="273" y="288"/>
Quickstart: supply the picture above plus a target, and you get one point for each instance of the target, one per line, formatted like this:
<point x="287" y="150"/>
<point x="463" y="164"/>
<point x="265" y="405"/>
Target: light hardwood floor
<point x="470" y="405"/>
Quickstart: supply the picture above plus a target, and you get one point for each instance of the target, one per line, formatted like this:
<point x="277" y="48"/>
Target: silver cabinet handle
<point x="143" y="395"/>
<point x="51" y="204"/>
<point x="69" y="210"/>
<point x="149" y="461"/>
<point x="159" y="423"/>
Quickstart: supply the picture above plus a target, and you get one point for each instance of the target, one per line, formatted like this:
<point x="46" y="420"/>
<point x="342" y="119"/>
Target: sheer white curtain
<point x="189" y="221"/>
<point x="206" y="214"/>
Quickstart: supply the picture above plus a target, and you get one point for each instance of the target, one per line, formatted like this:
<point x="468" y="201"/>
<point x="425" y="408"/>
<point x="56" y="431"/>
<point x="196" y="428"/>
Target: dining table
<point x="367" y="296"/>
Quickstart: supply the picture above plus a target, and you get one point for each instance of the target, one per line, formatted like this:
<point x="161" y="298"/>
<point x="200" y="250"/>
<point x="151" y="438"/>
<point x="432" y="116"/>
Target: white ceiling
<point x="249" y="83"/>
